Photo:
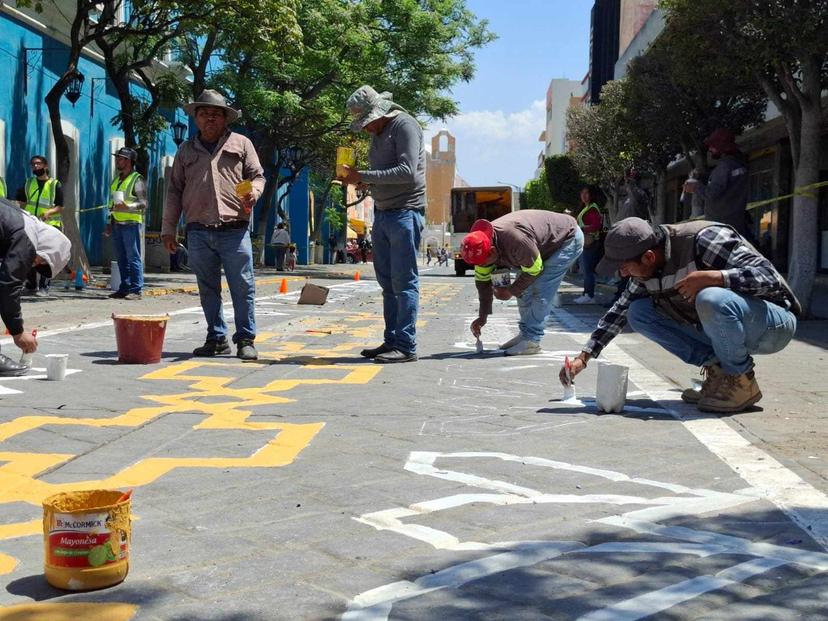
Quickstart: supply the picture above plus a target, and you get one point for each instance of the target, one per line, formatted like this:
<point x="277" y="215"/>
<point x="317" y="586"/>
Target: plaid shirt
<point x="717" y="248"/>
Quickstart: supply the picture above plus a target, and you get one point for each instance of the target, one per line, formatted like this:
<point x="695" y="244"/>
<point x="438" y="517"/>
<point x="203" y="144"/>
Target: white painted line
<point x="803" y="503"/>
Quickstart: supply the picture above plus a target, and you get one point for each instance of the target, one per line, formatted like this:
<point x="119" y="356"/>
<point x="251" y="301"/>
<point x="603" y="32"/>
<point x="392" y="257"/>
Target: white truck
<point x="469" y="204"/>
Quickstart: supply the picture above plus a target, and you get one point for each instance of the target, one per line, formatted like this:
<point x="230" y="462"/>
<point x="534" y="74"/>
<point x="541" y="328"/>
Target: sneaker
<point x="42" y="293"/>
<point x="711" y="374"/>
<point x="584" y="299"/>
<point x="523" y="348"/>
<point x="133" y="296"/>
<point x="10" y="368"/>
<point x="395" y="355"/>
<point x="731" y="394"/>
<point x="118" y="295"/>
<point x="212" y="347"/>
<point x="245" y="350"/>
<point x="376" y="351"/>
<point x="517" y="338"/>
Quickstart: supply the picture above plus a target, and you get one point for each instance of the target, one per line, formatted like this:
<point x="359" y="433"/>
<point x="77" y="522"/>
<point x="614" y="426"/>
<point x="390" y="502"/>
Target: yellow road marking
<point x="68" y="612"/>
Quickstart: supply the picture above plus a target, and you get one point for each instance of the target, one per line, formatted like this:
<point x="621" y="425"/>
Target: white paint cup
<point x="117" y="197"/>
<point x="611" y="389"/>
<point x="26" y="359"/>
<point x="56" y="366"/>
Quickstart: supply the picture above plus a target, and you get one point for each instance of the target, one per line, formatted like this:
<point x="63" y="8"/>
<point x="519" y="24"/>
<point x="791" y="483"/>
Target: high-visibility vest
<point x="127" y="186"/>
<point x="40" y="199"/>
<point x="2" y="188"/>
<point x="580" y="219"/>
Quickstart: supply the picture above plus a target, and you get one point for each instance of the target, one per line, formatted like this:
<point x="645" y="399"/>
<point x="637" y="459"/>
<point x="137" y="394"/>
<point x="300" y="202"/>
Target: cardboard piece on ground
<point x="313" y="294"/>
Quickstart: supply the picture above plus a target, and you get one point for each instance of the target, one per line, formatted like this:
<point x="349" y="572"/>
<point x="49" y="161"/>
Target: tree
<point x="417" y="50"/>
<point x="537" y="195"/>
<point x="785" y="47"/>
<point x="563" y="182"/>
<point x="604" y="144"/>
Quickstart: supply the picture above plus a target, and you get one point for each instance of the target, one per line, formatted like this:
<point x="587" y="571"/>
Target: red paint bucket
<point x="140" y="338"/>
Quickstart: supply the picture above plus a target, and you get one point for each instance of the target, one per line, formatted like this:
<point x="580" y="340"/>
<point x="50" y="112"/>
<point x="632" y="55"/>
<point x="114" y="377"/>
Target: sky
<point x="503" y="108"/>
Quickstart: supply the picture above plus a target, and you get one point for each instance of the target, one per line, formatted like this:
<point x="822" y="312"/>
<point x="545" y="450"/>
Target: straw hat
<point x="209" y="97"/>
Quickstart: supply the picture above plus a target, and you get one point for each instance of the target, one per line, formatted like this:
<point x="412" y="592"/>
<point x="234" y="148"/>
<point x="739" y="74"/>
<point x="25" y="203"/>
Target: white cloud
<point x="493" y="145"/>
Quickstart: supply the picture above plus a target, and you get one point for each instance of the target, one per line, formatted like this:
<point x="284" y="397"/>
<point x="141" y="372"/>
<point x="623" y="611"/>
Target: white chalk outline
<point x="376" y="604"/>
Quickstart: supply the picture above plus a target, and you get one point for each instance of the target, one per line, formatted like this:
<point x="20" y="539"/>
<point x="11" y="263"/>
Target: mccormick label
<point x="84" y="541"/>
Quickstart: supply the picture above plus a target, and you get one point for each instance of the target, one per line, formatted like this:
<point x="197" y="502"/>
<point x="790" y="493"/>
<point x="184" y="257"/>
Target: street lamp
<point x="73" y="90"/>
<point x="178" y="132"/>
<point x="293" y="156"/>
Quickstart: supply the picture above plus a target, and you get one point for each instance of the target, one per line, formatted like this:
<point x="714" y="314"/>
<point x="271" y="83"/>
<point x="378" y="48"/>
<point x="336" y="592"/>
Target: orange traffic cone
<point x="356" y="275"/>
<point x="283" y="288"/>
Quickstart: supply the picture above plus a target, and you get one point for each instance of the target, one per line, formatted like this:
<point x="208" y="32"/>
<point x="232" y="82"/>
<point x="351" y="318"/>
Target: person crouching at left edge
<point x="702" y="292"/>
<point x="26" y="242"/>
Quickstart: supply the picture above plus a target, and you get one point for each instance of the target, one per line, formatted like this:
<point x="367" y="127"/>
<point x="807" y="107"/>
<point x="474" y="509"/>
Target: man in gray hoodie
<point x="26" y="242"/>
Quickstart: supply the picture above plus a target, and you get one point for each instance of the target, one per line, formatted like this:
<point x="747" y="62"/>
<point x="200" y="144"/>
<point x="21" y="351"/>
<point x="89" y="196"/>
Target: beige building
<point x="441" y="168"/>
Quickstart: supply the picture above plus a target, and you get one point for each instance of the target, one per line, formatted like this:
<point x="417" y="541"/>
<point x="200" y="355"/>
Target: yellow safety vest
<point x="2" y="188"/>
<point x="38" y="199"/>
<point x="127" y="186"/>
<point x="580" y="219"/>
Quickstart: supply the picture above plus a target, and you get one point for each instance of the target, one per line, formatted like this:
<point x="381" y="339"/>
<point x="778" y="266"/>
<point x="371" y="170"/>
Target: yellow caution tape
<point x="803" y="191"/>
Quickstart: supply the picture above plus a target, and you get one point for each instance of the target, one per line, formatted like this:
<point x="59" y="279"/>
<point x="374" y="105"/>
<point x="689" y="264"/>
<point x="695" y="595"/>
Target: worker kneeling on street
<point x="542" y="245"/>
<point x="26" y="242"/>
<point x="702" y="292"/>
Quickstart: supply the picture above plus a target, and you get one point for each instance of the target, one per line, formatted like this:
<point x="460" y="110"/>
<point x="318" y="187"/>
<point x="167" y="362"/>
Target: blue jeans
<point x="734" y="326"/>
<point x="589" y="259"/>
<point x="281" y="251"/>
<point x="209" y="251"/>
<point x="126" y="240"/>
<point x="396" y="238"/>
<point x="535" y="303"/>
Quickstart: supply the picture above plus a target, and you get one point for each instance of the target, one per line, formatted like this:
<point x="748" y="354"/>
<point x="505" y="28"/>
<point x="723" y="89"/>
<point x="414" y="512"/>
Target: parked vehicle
<point x="353" y="253"/>
<point x="469" y="204"/>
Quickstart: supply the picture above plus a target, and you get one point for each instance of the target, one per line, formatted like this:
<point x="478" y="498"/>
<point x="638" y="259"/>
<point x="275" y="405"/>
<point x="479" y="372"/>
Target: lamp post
<point x="73" y="89"/>
<point x="179" y="129"/>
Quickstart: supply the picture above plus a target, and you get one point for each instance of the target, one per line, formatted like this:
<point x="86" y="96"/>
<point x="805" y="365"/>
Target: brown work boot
<point x="731" y="394"/>
<point x="711" y="374"/>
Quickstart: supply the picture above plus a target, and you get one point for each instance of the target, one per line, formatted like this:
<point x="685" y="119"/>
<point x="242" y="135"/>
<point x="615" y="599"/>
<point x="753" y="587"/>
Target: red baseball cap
<point x="478" y="243"/>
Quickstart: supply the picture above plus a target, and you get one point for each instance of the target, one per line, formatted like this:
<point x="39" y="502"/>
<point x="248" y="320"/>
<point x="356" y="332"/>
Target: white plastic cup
<point x="117" y="197"/>
<point x="26" y="359"/>
<point x="479" y="346"/>
<point x="114" y="276"/>
<point x="611" y="389"/>
<point x="56" y="367"/>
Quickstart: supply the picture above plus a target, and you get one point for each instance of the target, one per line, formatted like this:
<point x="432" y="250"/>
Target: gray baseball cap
<point x="626" y="240"/>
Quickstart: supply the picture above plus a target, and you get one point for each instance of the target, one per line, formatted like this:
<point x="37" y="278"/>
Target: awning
<point x="357" y="225"/>
<point x="351" y="233"/>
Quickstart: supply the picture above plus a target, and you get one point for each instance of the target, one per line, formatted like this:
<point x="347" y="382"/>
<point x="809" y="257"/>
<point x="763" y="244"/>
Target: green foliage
<point x="563" y="182"/>
<point x="537" y="195"/>
<point x="604" y="143"/>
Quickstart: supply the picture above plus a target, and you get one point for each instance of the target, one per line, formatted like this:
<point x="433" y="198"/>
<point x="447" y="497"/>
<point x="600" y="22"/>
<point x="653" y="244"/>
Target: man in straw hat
<point x="397" y="181"/>
<point x="703" y="293"/>
<point x="205" y="184"/>
<point x="26" y="242"/>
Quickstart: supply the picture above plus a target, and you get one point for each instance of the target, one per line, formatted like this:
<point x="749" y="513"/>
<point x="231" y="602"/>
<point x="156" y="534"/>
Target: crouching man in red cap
<point x="541" y="245"/>
<point x="703" y="293"/>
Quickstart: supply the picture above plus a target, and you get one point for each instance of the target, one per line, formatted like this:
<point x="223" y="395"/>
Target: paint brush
<point x="479" y="345"/>
<point x="569" y="389"/>
<point x="125" y="496"/>
<point x="26" y="358"/>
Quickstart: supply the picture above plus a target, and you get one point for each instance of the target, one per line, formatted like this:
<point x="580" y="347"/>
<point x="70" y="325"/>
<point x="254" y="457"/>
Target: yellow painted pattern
<point x="206" y="380"/>
<point x="68" y="612"/>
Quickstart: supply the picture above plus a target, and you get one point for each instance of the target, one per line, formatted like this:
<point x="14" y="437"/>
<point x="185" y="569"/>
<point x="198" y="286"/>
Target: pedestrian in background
<point x="725" y="194"/>
<point x="26" y="243"/>
<point x="42" y="197"/>
<point x="127" y="202"/>
<point x="396" y="179"/>
<point x="280" y="240"/>
<point x="206" y="171"/>
<point x="542" y="245"/>
<point x="592" y="223"/>
<point x="429" y="255"/>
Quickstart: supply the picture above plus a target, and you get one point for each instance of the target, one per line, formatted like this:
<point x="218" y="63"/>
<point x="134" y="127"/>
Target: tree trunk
<point x="63" y="169"/>
<point x="261" y="224"/>
<point x="804" y="216"/>
<point x="660" y="197"/>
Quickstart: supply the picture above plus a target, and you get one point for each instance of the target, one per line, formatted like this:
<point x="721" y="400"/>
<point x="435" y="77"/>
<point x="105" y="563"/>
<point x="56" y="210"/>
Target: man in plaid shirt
<point x="702" y="292"/>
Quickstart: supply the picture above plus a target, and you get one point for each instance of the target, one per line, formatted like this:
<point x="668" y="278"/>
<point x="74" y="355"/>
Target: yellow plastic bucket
<point x="86" y="538"/>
